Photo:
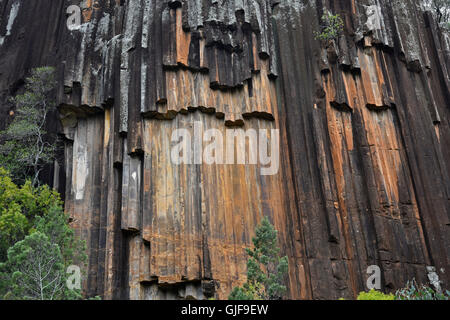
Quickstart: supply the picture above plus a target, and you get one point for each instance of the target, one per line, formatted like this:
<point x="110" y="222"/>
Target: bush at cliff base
<point x="412" y="291"/>
<point x="36" y="243"/>
<point x="266" y="270"/>
<point x="19" y="208"/>
<point x="415" y="291"/>
<point x="375" y="295"/>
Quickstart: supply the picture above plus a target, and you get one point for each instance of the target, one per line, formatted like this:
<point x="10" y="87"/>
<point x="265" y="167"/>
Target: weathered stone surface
<point x="364" y="130"/>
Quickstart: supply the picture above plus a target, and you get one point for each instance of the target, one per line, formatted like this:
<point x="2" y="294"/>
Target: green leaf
<point x="266" y="271"/>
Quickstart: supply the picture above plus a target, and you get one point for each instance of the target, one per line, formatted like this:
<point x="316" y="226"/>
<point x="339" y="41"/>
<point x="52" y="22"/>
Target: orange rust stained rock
<point x="87" y="11"/>
<point x="190" y="89"/>
<point x="107" y="129"/>
<point x="233" y="204"/>
<point x="182" y="40"/>
<point x="89" y="7"/>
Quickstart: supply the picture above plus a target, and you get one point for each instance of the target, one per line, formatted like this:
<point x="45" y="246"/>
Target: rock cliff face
<point x="364" y="138"/>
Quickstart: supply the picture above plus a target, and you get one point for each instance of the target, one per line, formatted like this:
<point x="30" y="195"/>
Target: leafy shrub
<point x="414" y="291"/>
<point x="332" y="26"/>
<point x="36" y="243"/>
<point x="35" y="268"/>
<point x="266" y="270"/>
<point x="19" y="207"/>
<point x="375" y="295"/>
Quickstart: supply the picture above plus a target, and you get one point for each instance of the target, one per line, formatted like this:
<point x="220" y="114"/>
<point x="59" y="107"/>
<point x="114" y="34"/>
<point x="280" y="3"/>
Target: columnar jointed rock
<point x="364" y="129"/>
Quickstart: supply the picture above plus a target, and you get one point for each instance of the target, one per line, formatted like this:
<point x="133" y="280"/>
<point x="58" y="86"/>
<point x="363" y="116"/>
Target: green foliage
<point x="250" y="291"/>
<point x="36" y="266"/>
<point x="414" y="291"/>
<point x="36" y="243"/>
<point x="375" y="295"/>
<point x="35" y="269"/>
<point x="332" y="26"/>
<point x="55" y="225"/>
<point x="266" y="270"/>
<point x="19" y="207"/>
<point x="25" y="147"/>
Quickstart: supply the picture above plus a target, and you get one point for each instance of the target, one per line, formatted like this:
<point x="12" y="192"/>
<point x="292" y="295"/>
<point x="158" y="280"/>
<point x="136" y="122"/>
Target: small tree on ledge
<point x="266" y="270"/>
<point x="332" y="26"/>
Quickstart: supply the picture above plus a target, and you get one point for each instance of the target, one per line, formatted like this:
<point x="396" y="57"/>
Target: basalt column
<point x="363" y="126"/>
